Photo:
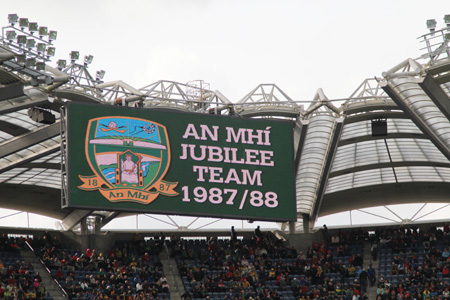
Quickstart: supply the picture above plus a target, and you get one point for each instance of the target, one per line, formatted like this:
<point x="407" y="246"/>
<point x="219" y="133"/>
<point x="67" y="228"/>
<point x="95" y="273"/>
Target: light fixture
<point x="74" y="55"/>
<point x="61" y="64"/>
<point x="13" y="18"/>
<point x="31" y="62"/>
<point x="41" y="115"/>
<point x="11" y="35"/>
<point x="32" y="27"/>
<point x="23" y="22"/>
<point x="43" y="31"/>
<point x="447" y="20"/>
<point x="21" y="58"/>
<point x="100" y="74"/>
<point x="88" y="59"/>
<point x="51" y="51"/>
<point x="30" y="43"/>
<point x="431" y="24"/>
<point x="21" y="39"/>
<point x="379" y="126"/>
<point x="52" y="35"/>
<point x="41" y="47"/>
<point x="40" y="66"/>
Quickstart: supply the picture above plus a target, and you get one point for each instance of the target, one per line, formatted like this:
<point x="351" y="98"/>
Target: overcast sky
<point x="235" y="45"/>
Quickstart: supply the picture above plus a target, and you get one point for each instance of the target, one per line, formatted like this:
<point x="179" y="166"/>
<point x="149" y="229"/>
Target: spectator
<point x="364" y="278"/>
<point x="233" y="234"/>
<point x="258" y="233"/>
<point x="372" y="275"/>
<point x="374" y="251"/>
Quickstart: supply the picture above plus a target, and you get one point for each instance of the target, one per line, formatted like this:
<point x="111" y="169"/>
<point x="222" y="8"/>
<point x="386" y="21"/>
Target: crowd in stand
<point x="419" y="267"/>
<point x="17" y="278"/>
<point x="262" y="267"/>
<point x="265" y="268"/>
<point x="129" y="271"/>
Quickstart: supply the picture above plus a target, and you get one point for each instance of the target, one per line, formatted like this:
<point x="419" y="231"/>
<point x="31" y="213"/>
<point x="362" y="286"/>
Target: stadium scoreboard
<point x="169" y="162"/>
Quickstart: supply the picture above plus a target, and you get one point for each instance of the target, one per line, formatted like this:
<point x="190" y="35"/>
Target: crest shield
<point x="129" y="157"/>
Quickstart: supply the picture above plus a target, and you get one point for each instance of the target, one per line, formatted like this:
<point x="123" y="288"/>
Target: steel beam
<point x="75" y="218"/>
<point x="11" y="91"/>
<point x="300" y="129"/>
<point x="394" y="135"/>
<point x="436" y="94"/>
<point x="388" y="165"/>
<point x="419" y="122"/>
<point x="327" y="167"/>
<point x="43" y="165"/>
<point x="384" y="194"/>
<point x="33" y="97"/>
<point x="29" y="139"/>
<point x="12" y="129"/>
<point x="349" y="119"/>
<point x="368" y="106"/>
<point x="111" y="216"/>
<point x="33" y="156"/>
<point x="76" y="96"/>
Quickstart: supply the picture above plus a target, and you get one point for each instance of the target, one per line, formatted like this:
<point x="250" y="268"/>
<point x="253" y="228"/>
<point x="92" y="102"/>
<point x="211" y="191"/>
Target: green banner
<point x="160" y="161"/>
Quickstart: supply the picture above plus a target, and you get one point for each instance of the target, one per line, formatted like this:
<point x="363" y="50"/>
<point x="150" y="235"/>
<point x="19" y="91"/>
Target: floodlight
<point x="41" y="47"/>
<point x="11" y="35"/>
<point x="51" y="51"/>
<point x="74" y="55"/>
<point x="31" y="62"/>
<point x="40" y="66"/>
<point x="61" y="64"/>
<point x="100" y="74"/>
<point x="447" y="20"/>
<point x="31" y="43"/>
<point x="41" y="115"/>
<point x="431" y="24"/>
<point x="33" y="27"/>
<point x="23" y="22"/>
<point x="43" y="30"/>
<point x="52" y="35"/>
<point x="21" y="58"/>
<point x="379" y="126"/>
<point x="88" y="59"/>
<point x="13" y="18"/>
<point x="21" y="39"/>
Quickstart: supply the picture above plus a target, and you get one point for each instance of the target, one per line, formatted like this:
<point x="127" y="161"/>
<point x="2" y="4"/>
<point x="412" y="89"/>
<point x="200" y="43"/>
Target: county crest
<point x="129" y="157"/>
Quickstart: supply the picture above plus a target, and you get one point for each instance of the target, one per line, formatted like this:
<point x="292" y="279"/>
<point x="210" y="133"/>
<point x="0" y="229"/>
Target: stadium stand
<point x="387" y="144"/>
<point x="126" y="270"/>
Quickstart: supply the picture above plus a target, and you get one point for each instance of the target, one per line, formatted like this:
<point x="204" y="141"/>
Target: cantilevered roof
<point x="340" y="164"/>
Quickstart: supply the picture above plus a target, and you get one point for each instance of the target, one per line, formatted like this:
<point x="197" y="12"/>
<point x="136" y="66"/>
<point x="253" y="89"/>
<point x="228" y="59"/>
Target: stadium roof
<point x="387" y="143"/>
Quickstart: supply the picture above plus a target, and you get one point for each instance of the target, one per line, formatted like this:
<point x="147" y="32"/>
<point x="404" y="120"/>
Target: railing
<point x="48" y="270"/>
<point x="436" y="45"/>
